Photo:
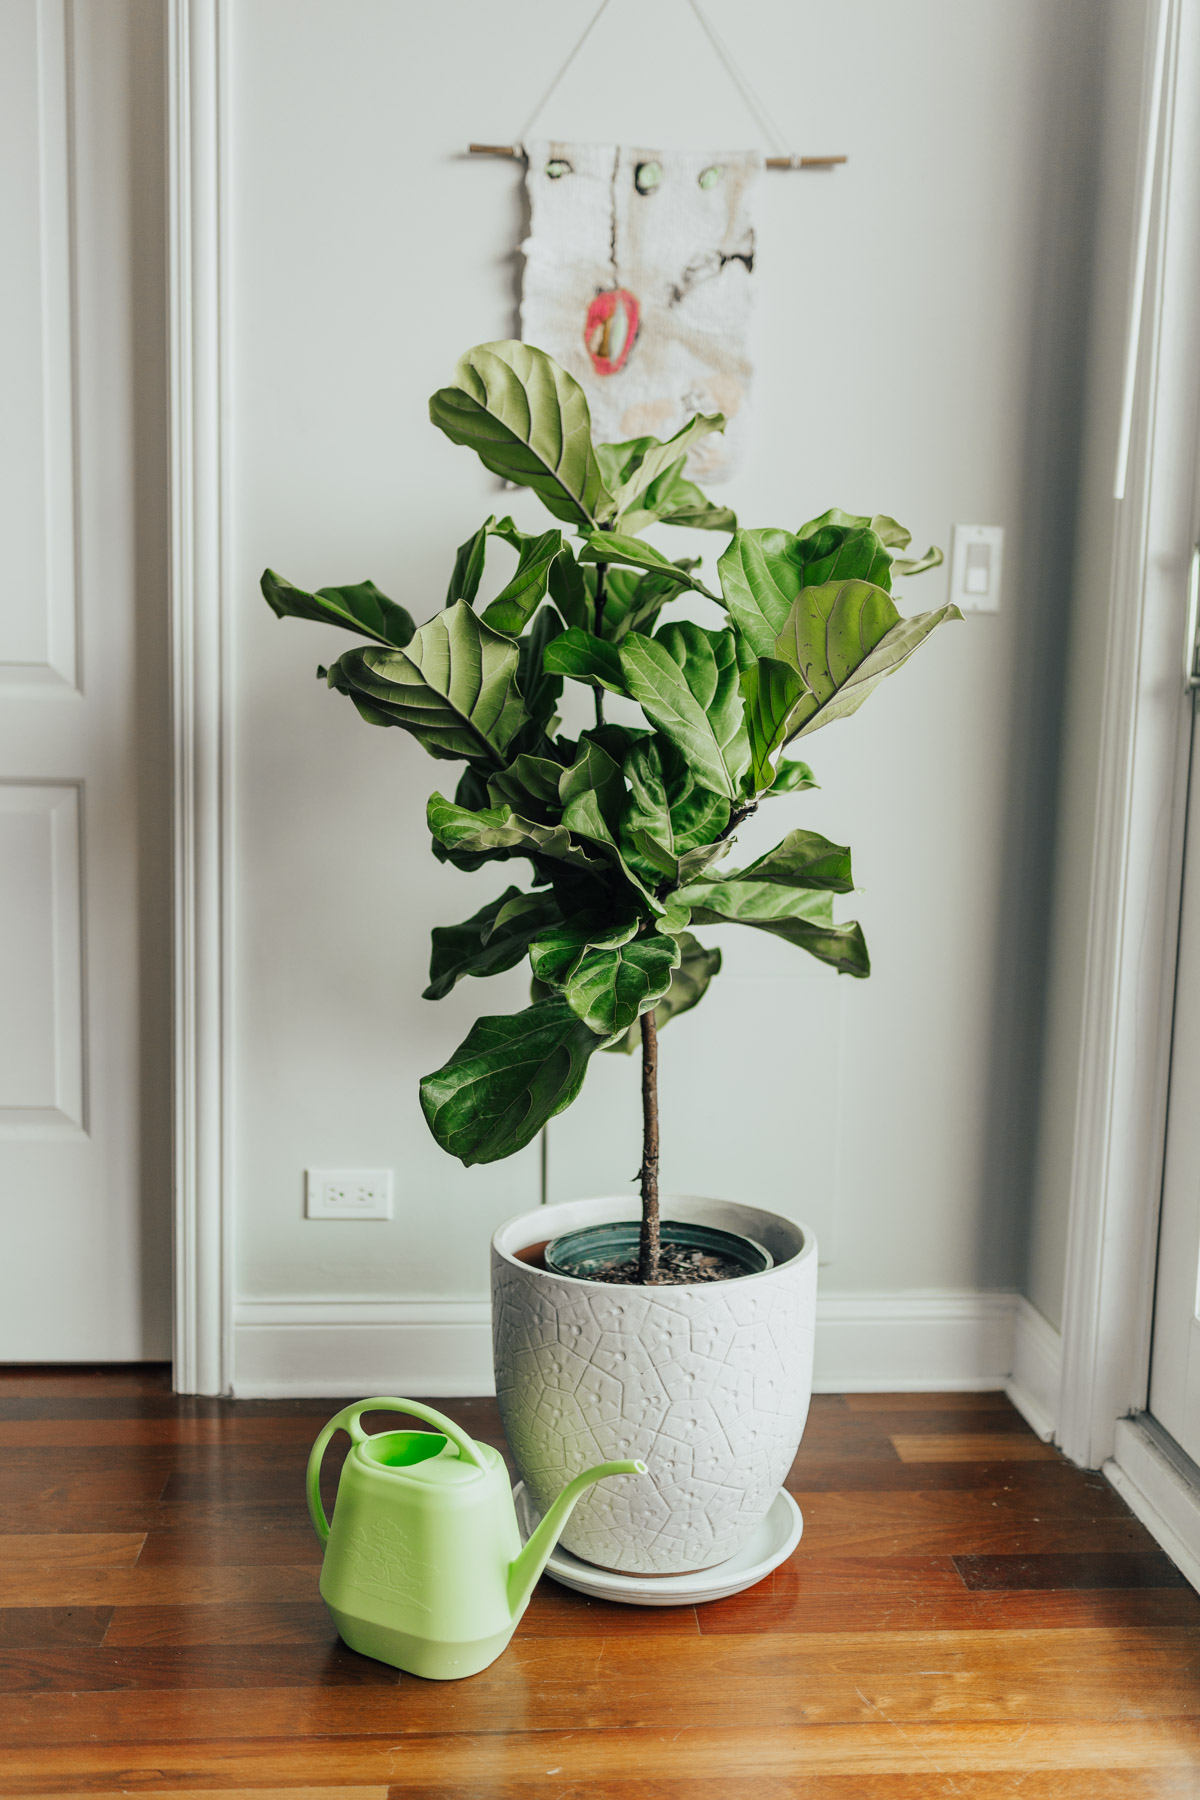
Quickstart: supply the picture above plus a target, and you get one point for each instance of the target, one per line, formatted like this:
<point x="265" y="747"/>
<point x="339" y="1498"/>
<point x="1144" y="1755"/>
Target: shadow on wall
<point x="1039" y="585"/>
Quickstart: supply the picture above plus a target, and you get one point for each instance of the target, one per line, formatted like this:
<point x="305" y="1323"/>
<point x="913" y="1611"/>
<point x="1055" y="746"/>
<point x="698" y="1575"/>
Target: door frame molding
<point x="201" y="690"/>
<point x="1136" y="877"/>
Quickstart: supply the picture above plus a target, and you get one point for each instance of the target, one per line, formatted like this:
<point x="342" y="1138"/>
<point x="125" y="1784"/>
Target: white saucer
<point x="771" y="1544"/>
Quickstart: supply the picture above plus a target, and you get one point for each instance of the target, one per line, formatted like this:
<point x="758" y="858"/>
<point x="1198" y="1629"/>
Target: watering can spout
<point x="524" y="1572"/>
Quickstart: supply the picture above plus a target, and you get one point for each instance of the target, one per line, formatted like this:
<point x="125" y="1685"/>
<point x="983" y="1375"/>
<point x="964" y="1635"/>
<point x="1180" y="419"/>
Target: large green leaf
<point x="360" y="607"/>
<point x="454" y="686"/>
<point x="891" y="536"/>
<point x="594" y="774"/>
<point x="490" y="941"/>
<point x="645" y="459"/>
<point x="801" y="918"/>
<point x="763" y="572"/>
<point x="540" y="687"/>
<point x="842" y="639"/>
<point x="510" y="1075"/>
<point x="558" y="950"/>
<point x="771" y="690"/>
<point x="609" y="989"/>
<point x="804" y="859"/>
<point x="496" y="833"/>
<point x="520" y="598"/>
<point x="614" y="547"/>
<point x="667" y="806"/>
<point x="529" y="785"/>
<point x="689" y="983"/>
<point x="686" y="682"/>
<point x="586" y="658"/>
<point x="527" y="420"/>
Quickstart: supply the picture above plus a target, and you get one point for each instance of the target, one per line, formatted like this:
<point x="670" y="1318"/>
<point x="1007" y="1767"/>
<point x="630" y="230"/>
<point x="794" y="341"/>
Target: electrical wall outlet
<point x="975" y="567"/>
<point x="347" y="1193"/>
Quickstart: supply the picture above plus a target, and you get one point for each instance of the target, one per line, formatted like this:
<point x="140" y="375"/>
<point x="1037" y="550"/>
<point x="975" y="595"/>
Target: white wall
<point x="921" y="316"/>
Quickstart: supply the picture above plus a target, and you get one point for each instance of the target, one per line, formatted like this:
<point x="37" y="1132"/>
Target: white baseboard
<point x="1162" y="1495"/>
<point x="866" y="1343"/>
<point x="290" y="1349"/>
<point x="1036" y="1369"/>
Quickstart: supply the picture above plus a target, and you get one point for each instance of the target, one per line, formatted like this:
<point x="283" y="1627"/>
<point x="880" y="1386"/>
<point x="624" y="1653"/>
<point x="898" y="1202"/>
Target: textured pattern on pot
<point x="709" y="1385"/>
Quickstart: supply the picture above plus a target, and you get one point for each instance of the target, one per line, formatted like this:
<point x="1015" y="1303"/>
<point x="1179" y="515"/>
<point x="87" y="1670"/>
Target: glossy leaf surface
<point x="689" y="984"/>
<point x="686" y="681"/>
<point x="360" y="607"/>
<point x="528" y="421"/>
<point x="511" y="1073"/>
<point x="800" y="918"/>
<point x="490" y="941"/>
<point x="453" y="686"/>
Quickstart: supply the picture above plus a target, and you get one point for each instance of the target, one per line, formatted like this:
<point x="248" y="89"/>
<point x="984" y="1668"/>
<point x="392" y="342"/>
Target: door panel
<point x="1175" y="1359"/>
<point x="84" y="890"/>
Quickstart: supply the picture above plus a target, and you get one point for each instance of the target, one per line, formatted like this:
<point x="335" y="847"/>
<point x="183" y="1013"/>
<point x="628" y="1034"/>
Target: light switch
<point x="975" y="567"/>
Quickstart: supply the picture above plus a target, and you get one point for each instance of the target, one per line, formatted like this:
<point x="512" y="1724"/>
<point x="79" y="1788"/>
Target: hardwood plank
<point x="47" y="1584"/>
<point x="240" y="1793"/>
<point x="973" y="1447"/>
<point x="1064" y="1784"/>
<point x="803" y="1612"/>
<point x="322" y="1664"/>
<point x="231" y="1545"/>
<point x="72" y="1550"/>
<point x="747" y="1683"/>
<point x="1078" y="1569"/>
<point x="24" y="1626"/>
<point x="954" y="1523"/>
<point x="85" y="1378"/>
<point x="1101" y="1747"/>
<point x="236" y="1622"/>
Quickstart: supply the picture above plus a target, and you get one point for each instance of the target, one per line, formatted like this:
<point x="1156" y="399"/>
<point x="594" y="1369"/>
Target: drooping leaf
<point x="917" y="565"/>
<point x="614" y="547"/>
<point x="648" y="458"/>
<point x="497" y="833"/>
<point x="609" y="989"/>
<point x="558" y="950"/>
<point x="799" y="917"/>
<point x="540" y="687"/>
<point x="689" y="983"/>
<point x="842" y="639"/>
<point x="528" y="421"/>
<point x="586" y="658"/>
<point x="771" y="690"/>
<point x="468" y="564"/>
<point x="511" y="1073"/>
<point x="453" y="686"/>
<point x="520" y="598"/>
<point x="804" y="859"/>
<point x="360" y="607"/>
<point x="570" y="592"/>
<point x="667" y="805"/>
<point x="594" y="775"/>
<point x="490" y="941"/>
<point x="791" y="778"/>
<point x="529" y="785"/>
<point x="686" y="682"/>
<point x="685" y="505"/>
<point x="633" y="600"/>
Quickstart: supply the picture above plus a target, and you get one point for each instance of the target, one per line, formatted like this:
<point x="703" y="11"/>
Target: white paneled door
<point x="1175" y="1358"/>
<point x="84" y="1094"/>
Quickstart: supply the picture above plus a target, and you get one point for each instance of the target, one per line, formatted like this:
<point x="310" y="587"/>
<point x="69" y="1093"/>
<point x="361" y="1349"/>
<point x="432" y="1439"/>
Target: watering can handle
<point x="349" y="1420"/>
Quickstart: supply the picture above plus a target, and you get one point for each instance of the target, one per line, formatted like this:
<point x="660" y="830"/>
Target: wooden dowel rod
<point x="772" y="162"/>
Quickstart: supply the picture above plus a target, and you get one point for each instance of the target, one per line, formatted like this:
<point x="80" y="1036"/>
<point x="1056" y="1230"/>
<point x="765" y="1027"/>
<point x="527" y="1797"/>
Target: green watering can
<point x="423" y="1562"/>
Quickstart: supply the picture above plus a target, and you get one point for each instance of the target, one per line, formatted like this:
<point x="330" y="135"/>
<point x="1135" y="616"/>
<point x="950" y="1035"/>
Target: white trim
<point x="866" y="1343"/>
<point x="200" y="685"/>
<point x="1135" y="883"/>
<point x="1159" y="1491"/>
<point x="1036" y="1370"/>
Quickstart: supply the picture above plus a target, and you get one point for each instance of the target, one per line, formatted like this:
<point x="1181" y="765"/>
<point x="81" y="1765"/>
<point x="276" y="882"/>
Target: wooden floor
<point x="967" y="1615"/>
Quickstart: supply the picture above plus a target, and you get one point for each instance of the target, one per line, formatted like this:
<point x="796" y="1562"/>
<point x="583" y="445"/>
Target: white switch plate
<point x="975" y="567"/>
<point x="347" y="1193"/>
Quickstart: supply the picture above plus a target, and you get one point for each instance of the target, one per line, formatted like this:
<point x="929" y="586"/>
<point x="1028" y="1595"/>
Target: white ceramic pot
<point x="709" y="1384"/>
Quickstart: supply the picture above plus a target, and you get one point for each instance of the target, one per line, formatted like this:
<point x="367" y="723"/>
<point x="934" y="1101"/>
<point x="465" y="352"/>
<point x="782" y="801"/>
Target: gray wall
<point x="921" y="323"/>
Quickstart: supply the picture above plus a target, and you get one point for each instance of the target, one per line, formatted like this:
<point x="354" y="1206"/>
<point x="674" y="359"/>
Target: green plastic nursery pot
<point x="423" y="1562"/>
<point x="582" y="1253"/>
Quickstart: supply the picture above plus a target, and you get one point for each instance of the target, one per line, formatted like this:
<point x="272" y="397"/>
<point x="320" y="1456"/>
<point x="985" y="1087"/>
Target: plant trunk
<point x="648" y="1247"/>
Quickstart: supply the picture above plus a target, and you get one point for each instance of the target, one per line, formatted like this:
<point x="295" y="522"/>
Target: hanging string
<point x="724" y="56"/>
<point x="589" y="28"/>
<point x="741" y="82"/>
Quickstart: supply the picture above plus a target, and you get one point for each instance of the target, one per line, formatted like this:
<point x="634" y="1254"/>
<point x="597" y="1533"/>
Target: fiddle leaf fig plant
<point x="625" y="828"/>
